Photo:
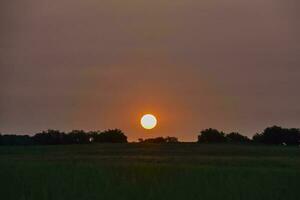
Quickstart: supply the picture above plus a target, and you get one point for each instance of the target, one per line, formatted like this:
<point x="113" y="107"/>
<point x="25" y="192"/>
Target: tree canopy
<point x="211" y="136"/>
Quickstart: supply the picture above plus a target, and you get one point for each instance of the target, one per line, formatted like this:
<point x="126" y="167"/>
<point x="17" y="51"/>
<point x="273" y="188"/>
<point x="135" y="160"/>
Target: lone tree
<point x="211" y="136"/>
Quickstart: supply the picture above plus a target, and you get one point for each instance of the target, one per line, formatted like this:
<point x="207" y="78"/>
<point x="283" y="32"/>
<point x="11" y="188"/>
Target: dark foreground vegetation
<point x="150" y="171"/>
<point x="272" y="135"/>
<point x="222" y="166"/>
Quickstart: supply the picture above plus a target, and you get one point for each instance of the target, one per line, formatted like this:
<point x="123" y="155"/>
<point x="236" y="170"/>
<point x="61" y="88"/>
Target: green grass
<point x="148" y="171"/>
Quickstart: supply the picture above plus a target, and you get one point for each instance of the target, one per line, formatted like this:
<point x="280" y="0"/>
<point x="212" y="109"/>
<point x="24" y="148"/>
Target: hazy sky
<point x="96" y="64"/>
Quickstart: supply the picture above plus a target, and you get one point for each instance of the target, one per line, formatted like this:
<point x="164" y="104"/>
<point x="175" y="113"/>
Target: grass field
<point x="150" y="171"/>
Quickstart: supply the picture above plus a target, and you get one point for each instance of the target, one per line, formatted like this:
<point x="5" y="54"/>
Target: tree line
<point x="272" y="135"/>
<point x="54" y="137"/>
<point x="275" y="135"/>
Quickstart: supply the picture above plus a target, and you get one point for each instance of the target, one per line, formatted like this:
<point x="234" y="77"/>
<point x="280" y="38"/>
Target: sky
<point x="233" y="65"/>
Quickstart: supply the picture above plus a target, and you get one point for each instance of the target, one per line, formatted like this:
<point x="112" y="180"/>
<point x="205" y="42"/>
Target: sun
<point x="148" y="121"/>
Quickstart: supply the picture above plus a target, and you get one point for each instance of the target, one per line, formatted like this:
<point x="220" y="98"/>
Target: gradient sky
<point x="95" y="64"/>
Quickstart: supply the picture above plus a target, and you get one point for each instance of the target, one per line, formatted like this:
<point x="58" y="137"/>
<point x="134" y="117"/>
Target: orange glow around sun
<point x="148" y="121"/>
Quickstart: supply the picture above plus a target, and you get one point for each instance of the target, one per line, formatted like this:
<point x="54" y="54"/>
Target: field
<point x="150" y="171"/>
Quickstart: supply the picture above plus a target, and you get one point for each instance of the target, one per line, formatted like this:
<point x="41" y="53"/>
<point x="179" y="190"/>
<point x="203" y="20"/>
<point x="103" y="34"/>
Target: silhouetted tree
<point x="211" y="136"/>
<point x="235" y="137"/>
<point x="278" y="135"/>
<point x="110" y="136"/>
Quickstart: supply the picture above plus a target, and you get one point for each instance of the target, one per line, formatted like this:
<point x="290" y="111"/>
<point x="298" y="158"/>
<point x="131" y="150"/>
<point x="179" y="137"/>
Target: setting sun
<point x="148" y="121"/>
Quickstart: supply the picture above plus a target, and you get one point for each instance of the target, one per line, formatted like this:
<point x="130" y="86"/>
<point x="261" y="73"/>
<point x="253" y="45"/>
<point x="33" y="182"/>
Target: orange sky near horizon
<point x="157" y="91"/>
